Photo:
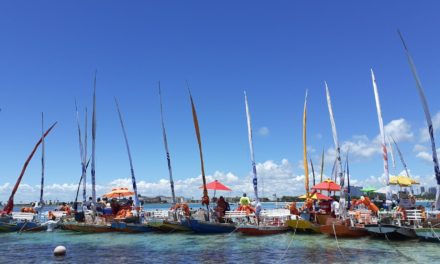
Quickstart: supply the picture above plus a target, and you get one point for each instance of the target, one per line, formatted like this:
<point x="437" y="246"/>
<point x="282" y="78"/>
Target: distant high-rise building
<point x="432" y="190"/>
<point x="422" y="189"/>
<point x="356" y="191"/>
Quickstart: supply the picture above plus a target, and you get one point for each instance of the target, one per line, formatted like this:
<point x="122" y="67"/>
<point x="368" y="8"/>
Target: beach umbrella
<point x="403" y="181"/>
<point x="316" y="196"/>
<point x="383" y="190"/>
<point x="327" y="185"/>
<point x="118" y="192"/>
<point x="368" y="189"/>
<point x="216" y="186"/>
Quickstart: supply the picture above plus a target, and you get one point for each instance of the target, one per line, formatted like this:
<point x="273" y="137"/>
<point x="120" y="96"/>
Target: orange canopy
<point x="118" y="192"/>
<point x="327" y="185"/>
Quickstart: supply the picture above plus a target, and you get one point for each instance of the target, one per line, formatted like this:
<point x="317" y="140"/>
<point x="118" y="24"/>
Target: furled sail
<point x="251" y="147"/>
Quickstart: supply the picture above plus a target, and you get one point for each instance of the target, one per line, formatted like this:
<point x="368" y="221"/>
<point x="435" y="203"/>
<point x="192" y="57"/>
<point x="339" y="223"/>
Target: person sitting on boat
<point x="115" y="206"/>
<point x="293" y="209"/>
<point x="130" y="201"/>
<point x="324" y="206"/>
<point x="65" y="208"/>
<point x="244" y="200"/>
<point x="221" y="209"/>
<point x="245" y="205"/>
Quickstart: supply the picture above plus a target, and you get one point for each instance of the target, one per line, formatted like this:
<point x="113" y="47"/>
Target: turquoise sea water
<point x="190" y="248"/>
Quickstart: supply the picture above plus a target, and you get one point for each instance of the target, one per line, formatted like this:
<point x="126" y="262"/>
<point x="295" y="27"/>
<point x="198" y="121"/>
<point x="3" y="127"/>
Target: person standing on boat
<point x="335" y="208"/>
<point x="244" y="200"/>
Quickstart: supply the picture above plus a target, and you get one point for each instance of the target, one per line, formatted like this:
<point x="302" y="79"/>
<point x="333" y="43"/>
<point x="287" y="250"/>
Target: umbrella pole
<point x="214" y="192"/>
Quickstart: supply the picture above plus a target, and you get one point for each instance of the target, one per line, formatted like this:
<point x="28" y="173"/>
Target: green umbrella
<point x="368" y="189"/>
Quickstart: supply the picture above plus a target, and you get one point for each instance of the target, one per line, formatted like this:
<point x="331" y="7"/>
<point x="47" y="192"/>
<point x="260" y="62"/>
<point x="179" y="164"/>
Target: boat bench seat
<point x="276" y="213"/>
<point x="236" y="214"/>
<point x="157" y="214"/>
<point x="23" y="216"/>
<point x="414" y="215"/>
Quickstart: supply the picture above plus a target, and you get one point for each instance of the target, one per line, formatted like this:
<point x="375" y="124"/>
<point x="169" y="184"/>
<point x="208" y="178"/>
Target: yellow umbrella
<point x="118" y="192"/>
<point x="316" y="196"/>
<point x="403" y="181"/>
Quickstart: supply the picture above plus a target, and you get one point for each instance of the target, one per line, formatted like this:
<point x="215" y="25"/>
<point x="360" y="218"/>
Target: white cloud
<point x="399" y="129"/>
<point x="419" y="148"/>
<point x="263" y="131"/>
<point x="424" y="135"/>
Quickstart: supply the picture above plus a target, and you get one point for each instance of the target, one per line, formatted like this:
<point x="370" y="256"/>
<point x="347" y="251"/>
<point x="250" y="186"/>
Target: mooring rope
<point x="337" y="242"/>
<point x="291" y="240"/>
<point x="434" y="233"/>
<point x="396" y="249"/>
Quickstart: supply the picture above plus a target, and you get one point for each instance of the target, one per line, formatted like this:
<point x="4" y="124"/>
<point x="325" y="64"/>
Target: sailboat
<point x="297" y="222"/>
<point x="430" y="234"/>
<point x="163" y="222"/>
<point x="21" y="221"/>
<point x="204" y="224"/>
<point x="268" y="223"/>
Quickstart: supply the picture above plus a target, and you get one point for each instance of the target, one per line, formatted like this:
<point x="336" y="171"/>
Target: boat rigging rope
<point x="433" y="232"/>
<point x="337" y="242"/>
<point x="24" y="225"/>
<point x="291" y="240"/>
<point x="396" y="249"/>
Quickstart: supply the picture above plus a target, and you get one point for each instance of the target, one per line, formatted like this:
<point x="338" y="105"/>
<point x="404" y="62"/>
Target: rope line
<point x="291" y="240"/>
<point x="337" y="243"/>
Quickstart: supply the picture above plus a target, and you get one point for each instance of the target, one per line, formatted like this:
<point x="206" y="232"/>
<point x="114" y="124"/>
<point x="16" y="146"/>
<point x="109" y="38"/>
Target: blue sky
<point x="50" y="50"/>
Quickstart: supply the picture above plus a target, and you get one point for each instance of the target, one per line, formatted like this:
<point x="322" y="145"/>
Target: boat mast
<point x="205" y="198"/>
<point x="428" y="120"/>
<point x="338" y="150"/>
<point x="93" y="172"/>
<point x="348" y="184"/>
<point x="313" y="172"/>
<point x="251" y="148"/>
<point x="84" y="162"/>
<point x="322" y="164"/>
<point x="133" y="177"/>
<point x="10" y="204"/>
<point x="165" y="142"/>
<point x="81" y="150"/>
<point x="42" y="161"/>
<point x="392" y="153"/>
<point x="306" y="165"/>
<point x="382" y="135"/>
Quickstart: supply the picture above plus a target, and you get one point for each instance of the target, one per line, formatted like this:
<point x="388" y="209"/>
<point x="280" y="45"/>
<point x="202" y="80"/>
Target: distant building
<point x="422" y="189"/>
<point x="356" y="191"/>
<point x="432" y="190"/>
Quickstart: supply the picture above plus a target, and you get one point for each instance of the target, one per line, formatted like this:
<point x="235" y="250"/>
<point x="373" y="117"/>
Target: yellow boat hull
<point x="303" y="225"/>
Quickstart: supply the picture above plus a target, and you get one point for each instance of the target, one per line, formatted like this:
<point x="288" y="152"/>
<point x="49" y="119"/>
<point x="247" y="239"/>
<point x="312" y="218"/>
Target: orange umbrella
<point x="316" y="196"/>
<point x="118" y="192"/>
<point x="216" y="185"/>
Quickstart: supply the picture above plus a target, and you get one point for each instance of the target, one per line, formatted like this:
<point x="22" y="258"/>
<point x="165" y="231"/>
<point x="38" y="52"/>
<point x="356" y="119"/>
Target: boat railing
<point x="20" y="216"/>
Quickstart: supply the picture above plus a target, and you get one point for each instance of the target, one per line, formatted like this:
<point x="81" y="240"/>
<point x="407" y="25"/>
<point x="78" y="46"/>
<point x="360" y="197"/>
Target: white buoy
<point x="59" y="251"/>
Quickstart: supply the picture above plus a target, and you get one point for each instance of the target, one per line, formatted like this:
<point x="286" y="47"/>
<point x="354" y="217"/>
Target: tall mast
<point x="133" y="177"/>
<point x="84" y="162"/>
<point x="392" y="153"/>
<point x="42" y="160"/>
<point x="401" y="158"/>
<point x="251" y="148"/>
<point x="335" y="139"/>
<point x="165" y="142"/>
<point x="428" y="120"/>
<point x="205" y="198"/>
<point x="313" y="172"/>
<point x="10" y="204"/>
<point x="81" y="149"/>
<point x="348" y="184"/>
<point x="93" y="142"/>
<point x="382" y="135"/>
<point x="306" y="165"/>
<point x="322" y="164"/>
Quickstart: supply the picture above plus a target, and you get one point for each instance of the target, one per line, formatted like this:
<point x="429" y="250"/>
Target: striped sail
<point x="251" y="148"/>
<point x="93" y="172"/>
<point x="428" y="120"/>
<point x="348" y="184"/>
<point x="382" y="133"/>
<point x="401" y="158"/>
<point x="165" y="142"/>
<point x="42" y="161"/>
<point x="306" y="165"/>
<point x="335" y="138"/>
<point x="133" y="177"/>
<point x="313" y="172"/>
<point x="391" y="152"/>
<point x="10" y="204"/>
<point x="205" y="199"/>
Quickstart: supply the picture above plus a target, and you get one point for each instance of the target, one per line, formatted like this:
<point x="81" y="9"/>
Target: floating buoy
<point x="59" y="251"/>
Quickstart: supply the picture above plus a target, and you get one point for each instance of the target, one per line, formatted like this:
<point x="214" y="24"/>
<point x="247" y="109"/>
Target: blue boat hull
<point x="131" y="228"/>
<point x="204" y="227"/>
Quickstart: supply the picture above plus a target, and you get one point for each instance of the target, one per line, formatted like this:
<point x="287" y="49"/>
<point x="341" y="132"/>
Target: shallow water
<point x="115" y="248"/>
<point x="191" y="248"/>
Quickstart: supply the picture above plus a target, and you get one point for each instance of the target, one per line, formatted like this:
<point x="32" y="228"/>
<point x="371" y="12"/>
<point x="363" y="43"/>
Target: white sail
<point x="428" y="120"/>
<point x="391" y="152"/>
<point x="382" y="133"/>
<point x="251" y="147"/>
<point x="93" y="172"/>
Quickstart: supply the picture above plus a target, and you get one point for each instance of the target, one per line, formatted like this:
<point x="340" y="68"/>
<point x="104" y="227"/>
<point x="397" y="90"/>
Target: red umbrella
<point x="216" y="185"/>
<point x="327" y="185"/>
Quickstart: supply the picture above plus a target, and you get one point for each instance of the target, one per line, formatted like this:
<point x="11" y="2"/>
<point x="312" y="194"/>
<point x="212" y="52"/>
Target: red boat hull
<point x="342" y="230"/>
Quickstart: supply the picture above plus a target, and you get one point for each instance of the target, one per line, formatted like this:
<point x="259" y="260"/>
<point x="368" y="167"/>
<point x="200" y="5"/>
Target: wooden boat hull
<point x="303" y="225"/>
<point x="262" y="230"/>
<point x="388" y="231"/>
<point x="342" y="230"/>
<point x="21" y="226"/>
<point x="86" y="228"/>
<point x="169" y="226"/>
<point x="6" y="227"/>
<point x="131" y="228"/>
<point x="204" y="227"/>
<point x="322" y="218"/>
<point x="428" y="234"/>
